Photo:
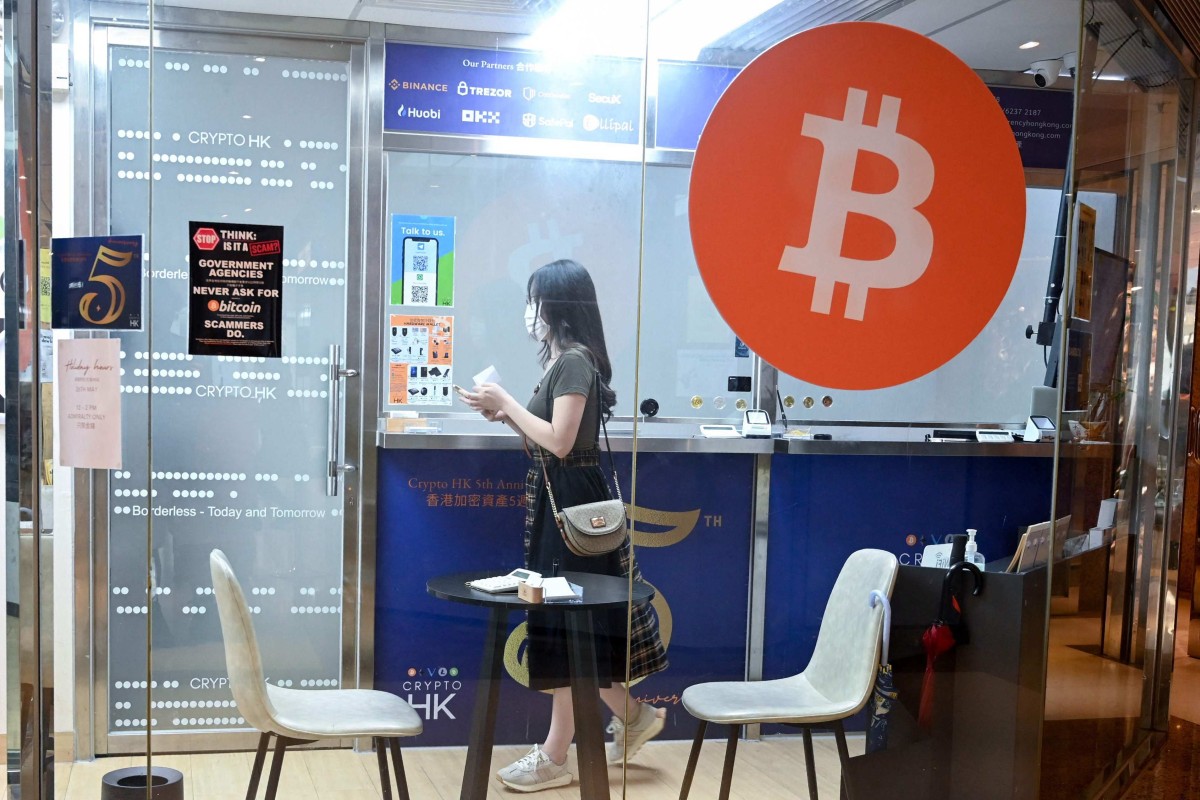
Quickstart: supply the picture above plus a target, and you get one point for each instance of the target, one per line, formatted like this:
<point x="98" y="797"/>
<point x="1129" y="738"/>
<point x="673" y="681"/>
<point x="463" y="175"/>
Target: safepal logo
<point x="529" y="120"/>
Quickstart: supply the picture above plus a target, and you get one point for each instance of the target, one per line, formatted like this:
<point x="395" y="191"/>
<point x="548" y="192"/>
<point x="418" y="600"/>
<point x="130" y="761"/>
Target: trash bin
<point x="130" y="784"/>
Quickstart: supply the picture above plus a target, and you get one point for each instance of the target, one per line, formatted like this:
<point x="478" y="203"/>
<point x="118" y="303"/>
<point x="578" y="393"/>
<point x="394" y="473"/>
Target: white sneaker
<point x="533" y="772"/>
<point x="627" y="741"/>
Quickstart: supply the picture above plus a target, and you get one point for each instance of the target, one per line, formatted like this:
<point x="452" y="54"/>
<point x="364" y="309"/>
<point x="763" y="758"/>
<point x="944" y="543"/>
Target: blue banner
<point x="458" y="90"/>
<point x="1041" y="121"/>
<point x="96" y="283"/>
<point x="687" y="94"/>
<point x="451" y="511"/>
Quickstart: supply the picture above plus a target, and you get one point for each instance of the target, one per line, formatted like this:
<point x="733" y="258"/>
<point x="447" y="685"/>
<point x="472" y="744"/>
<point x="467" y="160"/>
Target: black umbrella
<point x="885" y="690"/>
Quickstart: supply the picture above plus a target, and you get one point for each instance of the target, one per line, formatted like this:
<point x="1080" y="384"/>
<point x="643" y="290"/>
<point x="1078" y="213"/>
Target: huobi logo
<point x="871" y="265"/>
<point x="409" y="112"/>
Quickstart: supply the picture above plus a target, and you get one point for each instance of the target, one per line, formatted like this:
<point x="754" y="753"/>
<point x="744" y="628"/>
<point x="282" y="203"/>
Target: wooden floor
<point x="772" y="768"/>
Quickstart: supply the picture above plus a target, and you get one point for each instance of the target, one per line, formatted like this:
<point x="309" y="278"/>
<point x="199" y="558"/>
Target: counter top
<point x="659" y="437"/>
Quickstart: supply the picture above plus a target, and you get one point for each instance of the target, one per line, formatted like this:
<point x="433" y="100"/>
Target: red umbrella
<point x="947" y="631"/>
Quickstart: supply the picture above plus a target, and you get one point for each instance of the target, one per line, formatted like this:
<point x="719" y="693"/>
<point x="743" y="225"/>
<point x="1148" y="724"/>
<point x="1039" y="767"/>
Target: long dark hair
<point x="565" y="297"/>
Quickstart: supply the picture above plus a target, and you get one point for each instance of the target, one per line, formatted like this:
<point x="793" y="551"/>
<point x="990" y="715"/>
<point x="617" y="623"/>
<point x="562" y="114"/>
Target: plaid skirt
<point x="578" y="479"/>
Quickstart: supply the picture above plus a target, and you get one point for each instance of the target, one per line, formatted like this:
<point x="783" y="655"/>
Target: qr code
<point x="420" y="294"/>
<point x="420" y="263"/>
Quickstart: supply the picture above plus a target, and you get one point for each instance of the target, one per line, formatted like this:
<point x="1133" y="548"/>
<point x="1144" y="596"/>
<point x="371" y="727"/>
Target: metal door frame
<point x="96" y="29"/>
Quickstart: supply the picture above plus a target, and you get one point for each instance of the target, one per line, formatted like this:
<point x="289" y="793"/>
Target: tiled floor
<point x="772" y="768"/>
<point x="1175" y="773"/>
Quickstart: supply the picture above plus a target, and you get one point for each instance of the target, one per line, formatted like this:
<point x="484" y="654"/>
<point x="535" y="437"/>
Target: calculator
<point x="503" y="583"/>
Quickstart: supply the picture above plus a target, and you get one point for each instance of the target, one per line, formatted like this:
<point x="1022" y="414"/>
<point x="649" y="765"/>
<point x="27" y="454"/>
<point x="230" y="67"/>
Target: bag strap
<point x="612" y="463"/>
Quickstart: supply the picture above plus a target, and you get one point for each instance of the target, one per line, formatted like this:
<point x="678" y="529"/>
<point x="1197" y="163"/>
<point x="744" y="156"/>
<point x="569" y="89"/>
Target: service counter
<point x="741" y="538"/>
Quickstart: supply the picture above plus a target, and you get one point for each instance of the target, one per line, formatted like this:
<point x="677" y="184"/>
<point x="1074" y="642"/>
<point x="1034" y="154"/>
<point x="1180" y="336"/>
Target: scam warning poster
<point x="236" y="302"/>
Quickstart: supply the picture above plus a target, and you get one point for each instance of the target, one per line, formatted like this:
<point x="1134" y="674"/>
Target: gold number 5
<point x="116" y="291"/>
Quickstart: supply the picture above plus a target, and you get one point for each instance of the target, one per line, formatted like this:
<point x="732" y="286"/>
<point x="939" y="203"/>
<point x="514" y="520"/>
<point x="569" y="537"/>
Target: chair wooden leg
<point x="693" y="757"/>
<point x="398" y="767"/>
<point x="260" y="757"/>
<point x="810" y="762"/>
<point x="276" y="766"/>
<point x="839" y="731"/>
<point x="381" y="759"/>
<point x="735" y="731"/>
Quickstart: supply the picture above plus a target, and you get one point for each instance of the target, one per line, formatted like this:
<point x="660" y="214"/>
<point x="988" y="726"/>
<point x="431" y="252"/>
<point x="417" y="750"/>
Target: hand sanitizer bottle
<point x="972" y="553"/>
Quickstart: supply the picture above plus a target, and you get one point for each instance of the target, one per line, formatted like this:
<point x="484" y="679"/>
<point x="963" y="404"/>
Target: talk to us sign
<point x="857" y="231"/>
<point x="236" y="288"/>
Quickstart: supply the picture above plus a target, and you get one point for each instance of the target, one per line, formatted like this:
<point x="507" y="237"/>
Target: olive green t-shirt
<point x="572" y="373"/>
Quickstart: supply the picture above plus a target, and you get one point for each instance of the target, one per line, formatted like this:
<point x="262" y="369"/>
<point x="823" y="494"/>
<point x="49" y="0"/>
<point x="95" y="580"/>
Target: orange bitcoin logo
<point x="857" y="205"/>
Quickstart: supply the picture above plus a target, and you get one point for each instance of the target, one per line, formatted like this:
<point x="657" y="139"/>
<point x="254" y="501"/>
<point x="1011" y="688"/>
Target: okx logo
<point x="860" y="230"/>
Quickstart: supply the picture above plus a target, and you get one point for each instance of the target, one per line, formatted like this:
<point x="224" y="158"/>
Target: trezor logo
<point x="836" y="199"/>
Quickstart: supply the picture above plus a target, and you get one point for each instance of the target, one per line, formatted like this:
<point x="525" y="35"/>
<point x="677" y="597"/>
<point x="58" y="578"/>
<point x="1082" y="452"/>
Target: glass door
<point x="226" y="447"/>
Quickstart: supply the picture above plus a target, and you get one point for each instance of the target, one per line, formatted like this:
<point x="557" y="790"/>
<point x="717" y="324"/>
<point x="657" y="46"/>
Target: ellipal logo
<point x="593" y="123"/>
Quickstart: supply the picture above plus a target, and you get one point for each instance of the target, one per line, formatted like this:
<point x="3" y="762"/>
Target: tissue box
<point x="530" y="594"/>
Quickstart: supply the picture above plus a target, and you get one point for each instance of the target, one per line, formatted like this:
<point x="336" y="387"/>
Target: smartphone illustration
<point x="420" y="270"/>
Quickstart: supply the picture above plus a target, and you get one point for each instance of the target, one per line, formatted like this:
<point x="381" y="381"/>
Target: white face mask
<point x="534" y="324"/>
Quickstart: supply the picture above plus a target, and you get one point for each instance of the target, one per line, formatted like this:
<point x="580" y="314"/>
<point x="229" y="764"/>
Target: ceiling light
<point x="678" y="28"/>
<point x="1029" y="45"/>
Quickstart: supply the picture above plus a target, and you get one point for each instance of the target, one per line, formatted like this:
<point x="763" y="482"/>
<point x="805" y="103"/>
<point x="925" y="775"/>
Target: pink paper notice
<point x="89" y="403"/>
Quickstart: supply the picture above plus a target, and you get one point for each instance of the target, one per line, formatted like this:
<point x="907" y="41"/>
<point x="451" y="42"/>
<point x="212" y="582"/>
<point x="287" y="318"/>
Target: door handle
<point x="336" y="469"/>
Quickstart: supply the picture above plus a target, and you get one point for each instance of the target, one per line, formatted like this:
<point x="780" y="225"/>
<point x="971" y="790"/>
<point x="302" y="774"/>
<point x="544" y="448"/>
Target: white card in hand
<point x="489" y="375"/>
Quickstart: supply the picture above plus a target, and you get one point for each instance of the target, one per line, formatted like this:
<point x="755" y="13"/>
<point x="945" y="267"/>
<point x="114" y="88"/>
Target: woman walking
<point x="561" y="425"/>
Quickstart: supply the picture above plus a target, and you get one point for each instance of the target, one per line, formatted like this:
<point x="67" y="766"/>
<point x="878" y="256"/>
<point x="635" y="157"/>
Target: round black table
<point x="599" y="592"/>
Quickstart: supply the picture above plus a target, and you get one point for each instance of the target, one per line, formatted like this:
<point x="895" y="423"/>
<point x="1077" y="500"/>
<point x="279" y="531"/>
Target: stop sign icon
<point x="206" y="239"/>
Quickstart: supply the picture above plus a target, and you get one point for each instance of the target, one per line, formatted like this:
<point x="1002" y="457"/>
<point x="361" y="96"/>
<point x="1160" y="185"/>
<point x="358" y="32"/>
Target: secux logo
<point x="857" y="231"/>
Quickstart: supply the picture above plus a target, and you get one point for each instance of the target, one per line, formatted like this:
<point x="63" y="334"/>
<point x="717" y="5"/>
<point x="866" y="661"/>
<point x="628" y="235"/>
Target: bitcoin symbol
<point x="836" y="199"/>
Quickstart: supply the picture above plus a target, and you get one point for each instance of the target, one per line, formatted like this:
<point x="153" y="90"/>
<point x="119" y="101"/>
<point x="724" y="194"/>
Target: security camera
<point x="1045" y="73"/>
<point x="1071" y="62"/>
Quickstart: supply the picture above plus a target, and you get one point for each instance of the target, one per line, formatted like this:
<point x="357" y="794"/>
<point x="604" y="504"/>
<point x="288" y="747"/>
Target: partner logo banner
<point x="236" y="289"/>
<point x="511" y="93"/>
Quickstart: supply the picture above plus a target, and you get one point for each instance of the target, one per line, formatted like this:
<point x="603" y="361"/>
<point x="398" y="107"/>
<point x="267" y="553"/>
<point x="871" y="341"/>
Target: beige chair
<point x="836" y="683"/>
<point x="298" y="716"/>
